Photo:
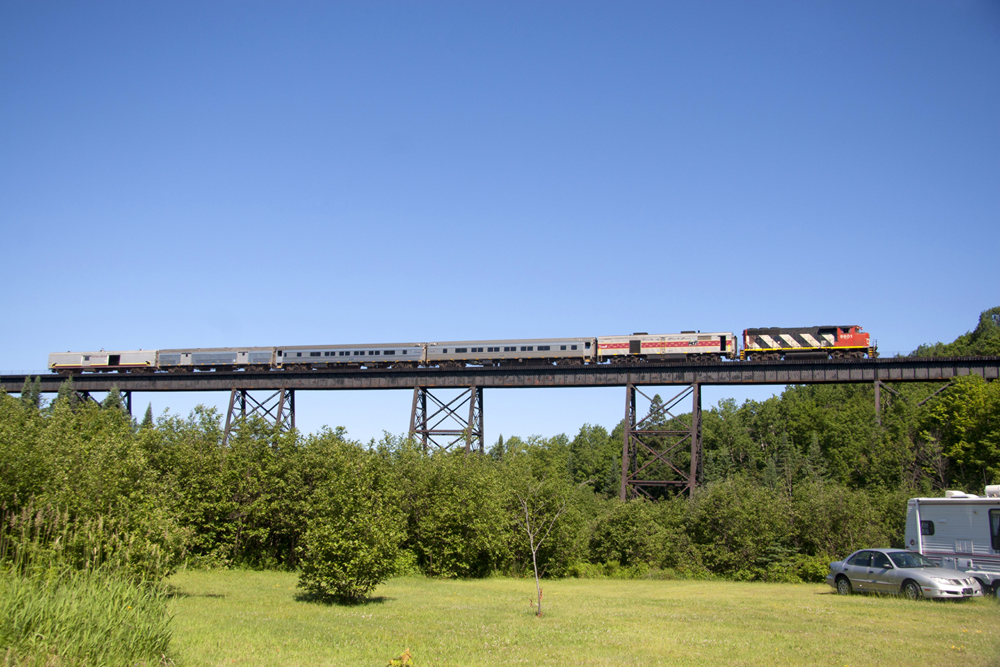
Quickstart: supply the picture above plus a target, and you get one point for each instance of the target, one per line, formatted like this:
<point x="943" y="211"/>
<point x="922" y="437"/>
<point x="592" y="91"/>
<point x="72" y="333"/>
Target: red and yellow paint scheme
<point x="836" y="341"/>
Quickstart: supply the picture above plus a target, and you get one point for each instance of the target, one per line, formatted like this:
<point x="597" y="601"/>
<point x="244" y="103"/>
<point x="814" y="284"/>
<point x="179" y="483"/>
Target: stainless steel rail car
<point x="499" y="352"/>
<point x="352" y="356"/>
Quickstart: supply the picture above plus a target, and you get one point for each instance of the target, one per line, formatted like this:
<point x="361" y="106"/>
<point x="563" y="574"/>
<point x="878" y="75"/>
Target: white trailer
<point x="960" y="531"/>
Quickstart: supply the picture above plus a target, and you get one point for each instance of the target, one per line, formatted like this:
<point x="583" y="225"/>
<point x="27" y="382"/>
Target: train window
<point x="314" y="354"/>
<point x="87" y="358"/>
<point x="573" y="347"/>
<point x="390" y="352"/>
<point x="373" y="353"/>
<point x="360" y="353"/>
<point x="543" y="348"/>
<point x="343" y="353"/>
<point x="404" y="351"/>
<point x="588" y="345"/>
<point x="510" y="349"/>
<point x="298" y="354"/>
<point x="279" y="353"/>
<point x="444" y="351"/>
<point x="527" y="348"/>
<point x="562" y="347"/>
<point x="461" y="350"/>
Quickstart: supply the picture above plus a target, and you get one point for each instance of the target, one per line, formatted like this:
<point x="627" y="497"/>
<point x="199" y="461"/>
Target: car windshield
<point x="904" y="559"/>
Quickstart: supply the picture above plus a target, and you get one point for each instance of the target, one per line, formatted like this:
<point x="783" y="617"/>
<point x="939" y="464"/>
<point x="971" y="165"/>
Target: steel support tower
<point x="435" y="422"/>
<point x="277" y="408"/>
<point x="661" y="450"/>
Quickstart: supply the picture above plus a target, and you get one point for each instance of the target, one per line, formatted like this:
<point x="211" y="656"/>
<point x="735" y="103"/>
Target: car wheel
<point x="844" y="586"/>
<point x="912" y="591"/>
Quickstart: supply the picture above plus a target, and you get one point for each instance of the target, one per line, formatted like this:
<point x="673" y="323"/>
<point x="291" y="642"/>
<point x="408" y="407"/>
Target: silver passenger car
<point x="897" y="571"/>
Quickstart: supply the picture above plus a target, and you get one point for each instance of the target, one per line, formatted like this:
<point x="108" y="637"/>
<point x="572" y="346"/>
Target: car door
<point x="856" y="570"/>
<point x="882" y="574"/>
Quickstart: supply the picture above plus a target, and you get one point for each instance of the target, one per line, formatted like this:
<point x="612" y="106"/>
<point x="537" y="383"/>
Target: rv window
<point x="995" y="529"/>
<point x="926" y="527"/>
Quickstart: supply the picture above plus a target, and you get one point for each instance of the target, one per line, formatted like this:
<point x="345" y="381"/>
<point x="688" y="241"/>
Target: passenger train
<point x="758" y="344"/>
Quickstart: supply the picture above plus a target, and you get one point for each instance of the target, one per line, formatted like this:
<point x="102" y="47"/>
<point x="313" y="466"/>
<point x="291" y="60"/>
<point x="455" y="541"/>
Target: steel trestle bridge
<point x="446" y="421"/>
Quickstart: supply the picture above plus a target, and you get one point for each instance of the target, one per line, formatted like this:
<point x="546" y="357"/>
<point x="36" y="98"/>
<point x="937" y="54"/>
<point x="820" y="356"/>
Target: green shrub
<point x="93" y="617"/>
<point x="459" y="513"/>
<point x="629" y="534"/>
<point x="355" y="529"/>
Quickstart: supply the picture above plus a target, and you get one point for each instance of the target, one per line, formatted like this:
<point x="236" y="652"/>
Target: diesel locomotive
<point x="634" y="349"/>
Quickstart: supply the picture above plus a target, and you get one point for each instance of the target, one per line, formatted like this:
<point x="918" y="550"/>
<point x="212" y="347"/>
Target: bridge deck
<point x="901" y="369"/>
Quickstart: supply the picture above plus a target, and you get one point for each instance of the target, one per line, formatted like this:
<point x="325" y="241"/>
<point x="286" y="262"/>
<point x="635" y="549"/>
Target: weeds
<point x="79" y="592"/>
<point x="82" y="618"/>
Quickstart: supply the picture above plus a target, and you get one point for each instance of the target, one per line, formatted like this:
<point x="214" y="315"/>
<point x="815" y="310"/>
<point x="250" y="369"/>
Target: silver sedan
<point x="898" y="571"/>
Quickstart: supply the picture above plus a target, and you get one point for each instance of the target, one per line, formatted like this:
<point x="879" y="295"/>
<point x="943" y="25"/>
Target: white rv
<point x="960" y="531"/>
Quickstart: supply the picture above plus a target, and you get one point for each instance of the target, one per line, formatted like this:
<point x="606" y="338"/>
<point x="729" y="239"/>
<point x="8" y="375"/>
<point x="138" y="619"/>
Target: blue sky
<point x="235" y="173"/>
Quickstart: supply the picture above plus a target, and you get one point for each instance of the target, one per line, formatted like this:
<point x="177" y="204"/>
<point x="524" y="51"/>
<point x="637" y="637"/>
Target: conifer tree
<point x="815" y="461"/>
<point x="31" y="393"/>
<point x="147" y="419"/>
<point x="113" y="399"/>
<point x="67" y="394"/>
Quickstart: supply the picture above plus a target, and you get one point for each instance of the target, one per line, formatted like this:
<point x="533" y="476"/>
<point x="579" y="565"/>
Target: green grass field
<point x="257" y="618"/>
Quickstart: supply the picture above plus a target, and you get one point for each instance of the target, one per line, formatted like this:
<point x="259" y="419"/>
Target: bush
<point x="629" y="534"/>
<point x="343" y="558"/>
<point x="355" y="528"/>
<point x="459" y="512"/>
<point x="740" y="529"/>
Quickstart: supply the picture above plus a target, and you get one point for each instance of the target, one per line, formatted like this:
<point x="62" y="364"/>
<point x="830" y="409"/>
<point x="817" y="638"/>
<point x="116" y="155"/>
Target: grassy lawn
<point x="256" y="618"/>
